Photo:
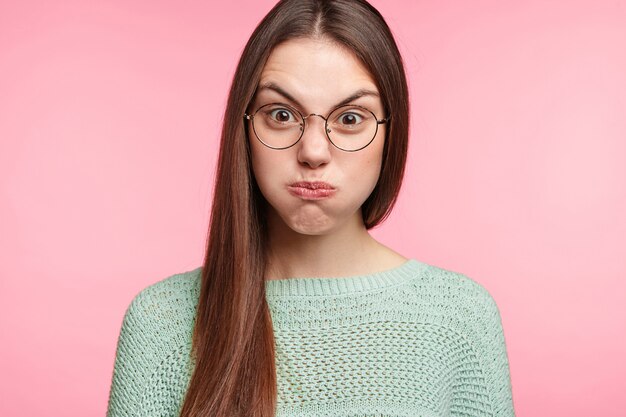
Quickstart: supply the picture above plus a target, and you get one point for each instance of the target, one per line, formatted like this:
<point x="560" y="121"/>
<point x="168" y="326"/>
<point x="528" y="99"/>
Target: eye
<point x="350" y="118"/>
<point x="281" y="115"/>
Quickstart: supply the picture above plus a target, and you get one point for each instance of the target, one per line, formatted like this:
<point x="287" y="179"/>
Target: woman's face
<point x="318" y="75"/>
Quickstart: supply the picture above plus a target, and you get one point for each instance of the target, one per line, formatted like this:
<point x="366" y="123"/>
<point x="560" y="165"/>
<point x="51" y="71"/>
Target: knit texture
<point x="416" y="340"/>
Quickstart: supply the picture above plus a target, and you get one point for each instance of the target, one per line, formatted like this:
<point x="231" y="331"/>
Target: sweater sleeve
<point x="132" y="363"/>
<point x="495" y="362"/>
<point x="487" y="364"/>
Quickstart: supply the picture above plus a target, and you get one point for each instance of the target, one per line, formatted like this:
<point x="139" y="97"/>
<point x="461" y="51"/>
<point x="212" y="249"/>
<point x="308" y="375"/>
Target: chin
<point x="310" y="231"/>
<point x="310" y="225"/>
<point x="311" y="220"/>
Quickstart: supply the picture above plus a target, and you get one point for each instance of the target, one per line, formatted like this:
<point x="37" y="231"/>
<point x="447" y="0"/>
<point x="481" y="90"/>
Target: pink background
<point x="109" y="118"/>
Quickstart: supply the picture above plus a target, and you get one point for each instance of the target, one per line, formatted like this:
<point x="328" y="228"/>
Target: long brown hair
<point x="233" y="341"/>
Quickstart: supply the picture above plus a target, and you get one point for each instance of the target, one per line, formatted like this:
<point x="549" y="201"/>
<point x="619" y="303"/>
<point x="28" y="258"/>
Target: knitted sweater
<point x="416" y="340"/>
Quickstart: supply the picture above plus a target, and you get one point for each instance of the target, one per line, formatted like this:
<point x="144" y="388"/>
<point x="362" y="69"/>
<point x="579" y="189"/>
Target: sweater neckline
<point x="316" y="286"/>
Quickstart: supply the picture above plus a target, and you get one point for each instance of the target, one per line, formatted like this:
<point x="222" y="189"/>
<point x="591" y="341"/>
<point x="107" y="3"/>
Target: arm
<point x="131" y="368"/>
<point x="483" y="385"/>
<point x="495" y="362"/>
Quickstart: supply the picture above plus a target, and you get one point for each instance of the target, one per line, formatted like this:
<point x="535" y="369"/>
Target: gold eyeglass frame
<point x="326" y="129"/>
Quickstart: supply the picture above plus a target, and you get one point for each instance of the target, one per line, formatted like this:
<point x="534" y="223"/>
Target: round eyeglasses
<point x="349" y="127"/>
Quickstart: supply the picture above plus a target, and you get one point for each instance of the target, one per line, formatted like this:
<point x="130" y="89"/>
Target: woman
<point x="297" y="310"/>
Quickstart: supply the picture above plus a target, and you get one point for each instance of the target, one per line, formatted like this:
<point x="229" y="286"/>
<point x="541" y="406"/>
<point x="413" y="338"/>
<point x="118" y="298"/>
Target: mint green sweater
<point x="416" y="340"/>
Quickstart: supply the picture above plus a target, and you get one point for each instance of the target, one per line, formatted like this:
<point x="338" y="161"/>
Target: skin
<point x="319" y="238"/>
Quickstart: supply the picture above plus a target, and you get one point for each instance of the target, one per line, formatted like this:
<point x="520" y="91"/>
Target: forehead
<point x="318" y="73"/>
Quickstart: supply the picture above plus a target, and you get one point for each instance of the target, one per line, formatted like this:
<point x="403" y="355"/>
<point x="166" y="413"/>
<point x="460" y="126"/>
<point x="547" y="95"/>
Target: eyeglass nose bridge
<point x="313" y="114"/>
<point x="319" y="115"/>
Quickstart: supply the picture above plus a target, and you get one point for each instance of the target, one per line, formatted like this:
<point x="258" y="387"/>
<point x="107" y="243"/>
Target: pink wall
<point x="109" y="118"/>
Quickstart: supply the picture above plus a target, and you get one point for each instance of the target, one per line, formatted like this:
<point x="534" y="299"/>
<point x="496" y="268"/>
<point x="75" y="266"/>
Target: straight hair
<point x="233" y="351"/>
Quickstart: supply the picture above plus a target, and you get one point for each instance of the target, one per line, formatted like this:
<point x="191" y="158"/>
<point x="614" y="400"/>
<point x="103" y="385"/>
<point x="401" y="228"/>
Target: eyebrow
<point x="357" y="94"/>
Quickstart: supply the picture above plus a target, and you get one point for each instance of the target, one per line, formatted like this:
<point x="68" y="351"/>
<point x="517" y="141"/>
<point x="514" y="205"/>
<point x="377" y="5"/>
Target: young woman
<point x="297" y="310"/>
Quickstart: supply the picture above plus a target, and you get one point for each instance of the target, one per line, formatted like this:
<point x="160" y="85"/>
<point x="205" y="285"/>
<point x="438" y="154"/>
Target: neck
<point x="348" y="250"/>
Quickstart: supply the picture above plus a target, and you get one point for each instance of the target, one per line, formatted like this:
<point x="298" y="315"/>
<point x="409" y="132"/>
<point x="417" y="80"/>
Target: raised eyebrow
<point x="357" y="94"/>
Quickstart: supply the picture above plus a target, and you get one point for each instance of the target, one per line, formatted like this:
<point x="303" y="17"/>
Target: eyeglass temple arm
<point x="385" y="120"/>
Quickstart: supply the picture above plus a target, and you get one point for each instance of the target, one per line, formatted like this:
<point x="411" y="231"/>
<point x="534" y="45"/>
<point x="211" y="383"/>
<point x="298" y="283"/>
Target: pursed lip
<point x="311" y="190"/>
<point x="313" y="185"/>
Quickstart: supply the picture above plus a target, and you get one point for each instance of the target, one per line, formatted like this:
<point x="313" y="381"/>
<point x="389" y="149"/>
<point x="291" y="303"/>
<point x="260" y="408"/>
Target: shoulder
<point x="454" y="287"/>
<point x="166" y="308"/>
<point x="455" y="300"/>
<point x="463" y="308"/>
<point x="175" y="290"/>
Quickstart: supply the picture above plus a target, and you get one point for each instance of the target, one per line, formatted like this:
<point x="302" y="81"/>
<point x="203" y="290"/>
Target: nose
<point x="314" y="146"/>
